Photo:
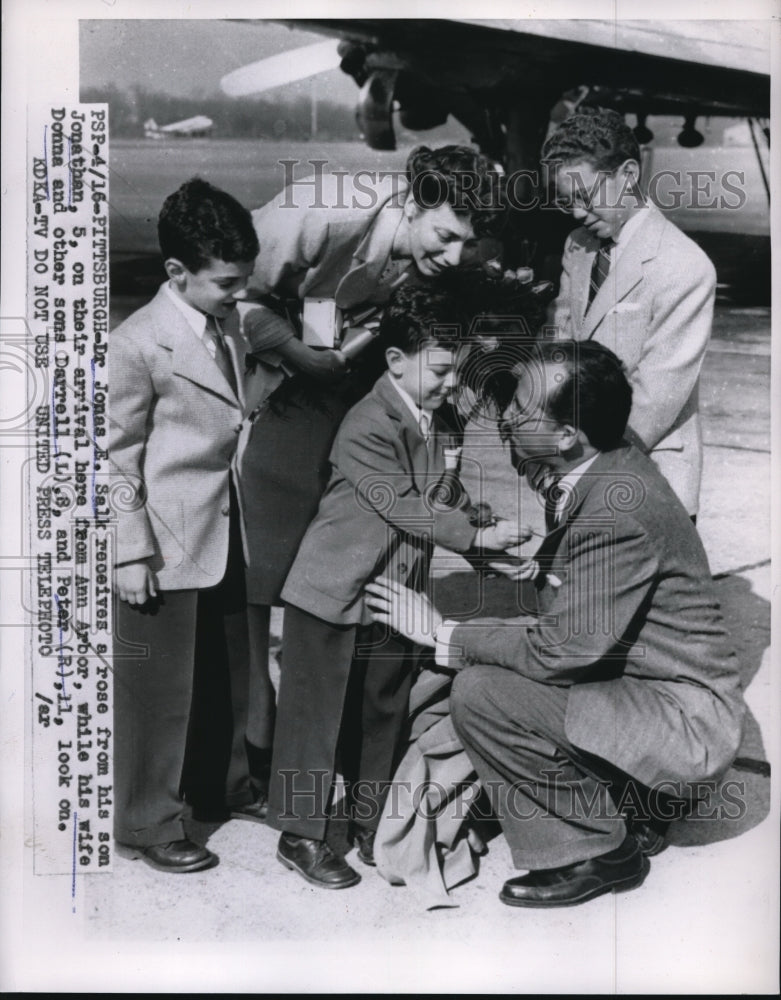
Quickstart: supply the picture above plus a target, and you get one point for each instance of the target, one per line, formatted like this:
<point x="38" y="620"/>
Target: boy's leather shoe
<point x="363" y="839"/>
<point x="178" y="856"/>
<point x="255" y="811"/>
<point x="618" y="870"/>
<point x="316" y="862"/>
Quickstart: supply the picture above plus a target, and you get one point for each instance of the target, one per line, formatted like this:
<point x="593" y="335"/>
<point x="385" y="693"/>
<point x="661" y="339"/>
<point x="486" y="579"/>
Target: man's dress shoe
<point x="364" y="841"/>
<point x="316" y="862"/>
<point x="618" y="870"/>
<point x="651" y="838"/>
<point x="178" y="856"/>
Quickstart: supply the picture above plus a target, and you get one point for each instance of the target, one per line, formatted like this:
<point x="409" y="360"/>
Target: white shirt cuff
<point x="442" y="649"/>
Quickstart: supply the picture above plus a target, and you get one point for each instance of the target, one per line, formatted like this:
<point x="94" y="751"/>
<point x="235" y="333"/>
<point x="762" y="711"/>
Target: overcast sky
<point x="188" y="58"/>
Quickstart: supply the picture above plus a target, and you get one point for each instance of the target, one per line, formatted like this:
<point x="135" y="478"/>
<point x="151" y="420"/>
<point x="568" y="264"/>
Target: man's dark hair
<point x="199" y="223"/>
<point x="595" y="396"/>
<point x="419" y="315"/>
<point x="599" y="137"/>
<point x="462" y="178"/>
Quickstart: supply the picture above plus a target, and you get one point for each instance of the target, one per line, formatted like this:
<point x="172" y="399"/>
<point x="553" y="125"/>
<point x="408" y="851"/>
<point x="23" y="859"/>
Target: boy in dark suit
<point x="178" y="397"/>
<point x="378" y="514"/>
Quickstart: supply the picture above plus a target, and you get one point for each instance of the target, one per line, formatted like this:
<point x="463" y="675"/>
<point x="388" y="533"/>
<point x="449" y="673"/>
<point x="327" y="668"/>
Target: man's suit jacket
<point x="629" y="620"/>
<point x="655" y="311"/>
<point x="329" y="237"/>
<point x="376" y="515"/>
<point x="175" y="425"/>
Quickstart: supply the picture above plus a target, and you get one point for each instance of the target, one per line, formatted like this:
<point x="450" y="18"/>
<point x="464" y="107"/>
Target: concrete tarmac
<point x="704" y="921"/>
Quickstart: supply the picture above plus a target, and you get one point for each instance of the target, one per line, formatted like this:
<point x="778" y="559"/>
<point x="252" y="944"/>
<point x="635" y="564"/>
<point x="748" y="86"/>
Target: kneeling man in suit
<point x="622" y="687"/>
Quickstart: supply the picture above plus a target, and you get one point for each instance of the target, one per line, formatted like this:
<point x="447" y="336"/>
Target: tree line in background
<point x="234" y="118"/>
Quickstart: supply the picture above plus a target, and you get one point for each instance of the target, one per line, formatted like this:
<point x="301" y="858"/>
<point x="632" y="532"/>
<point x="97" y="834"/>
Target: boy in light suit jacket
<point x="344" y="682"/>
<point x="634" y="282"/>
<point x="178" y="398"/>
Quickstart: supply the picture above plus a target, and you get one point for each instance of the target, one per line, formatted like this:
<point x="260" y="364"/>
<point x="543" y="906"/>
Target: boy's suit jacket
<point x="331" y="240"/>
<point x="655" y="311"/>
<point x="375" y="515"/>
<point x="175" y="425"/>
<point x="630" y="622"/>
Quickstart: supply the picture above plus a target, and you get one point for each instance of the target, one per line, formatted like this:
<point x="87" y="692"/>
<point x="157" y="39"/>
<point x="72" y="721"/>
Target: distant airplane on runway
<point x="188" y="128"/>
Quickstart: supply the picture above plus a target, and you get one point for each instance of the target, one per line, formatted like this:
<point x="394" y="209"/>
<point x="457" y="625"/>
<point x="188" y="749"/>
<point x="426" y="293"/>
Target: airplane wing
<point x="502" y="78"/>
<point x="739" y="45"/>
<point x="698" y="67"/>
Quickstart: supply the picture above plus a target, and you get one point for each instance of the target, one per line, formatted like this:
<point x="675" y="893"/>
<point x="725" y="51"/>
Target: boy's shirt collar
<point x="423" y="419"/>
<point x="196" y="320"/>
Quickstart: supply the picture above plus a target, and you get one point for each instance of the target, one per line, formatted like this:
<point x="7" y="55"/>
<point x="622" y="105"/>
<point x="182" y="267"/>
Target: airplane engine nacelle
<point x="689" y="137"/>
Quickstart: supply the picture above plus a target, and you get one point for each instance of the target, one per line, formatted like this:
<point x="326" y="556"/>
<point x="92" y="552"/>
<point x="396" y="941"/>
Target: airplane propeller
<point x="287" y="67"/>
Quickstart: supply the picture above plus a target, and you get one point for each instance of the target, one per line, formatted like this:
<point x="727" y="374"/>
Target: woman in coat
<point x="349" y="240"/>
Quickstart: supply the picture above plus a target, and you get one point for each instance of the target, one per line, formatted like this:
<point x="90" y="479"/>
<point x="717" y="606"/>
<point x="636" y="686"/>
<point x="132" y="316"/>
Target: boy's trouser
<point x="180" y="707"/>
<point x="331" y="699"/>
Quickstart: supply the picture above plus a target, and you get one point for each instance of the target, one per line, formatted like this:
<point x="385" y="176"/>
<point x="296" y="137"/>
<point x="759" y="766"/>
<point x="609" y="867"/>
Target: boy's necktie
<point x="600" y="268"/>
<point x="222" y="354"/>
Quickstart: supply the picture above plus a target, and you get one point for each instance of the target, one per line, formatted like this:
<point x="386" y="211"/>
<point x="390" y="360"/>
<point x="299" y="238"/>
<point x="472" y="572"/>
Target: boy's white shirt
<point x="195" y="319"/>
<point x="422" y="417"/>
<point x="255" y="391"/>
